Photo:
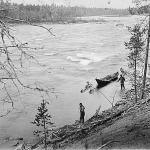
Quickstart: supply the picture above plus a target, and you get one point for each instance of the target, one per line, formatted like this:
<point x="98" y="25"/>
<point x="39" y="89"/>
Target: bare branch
<point x="4" y="115"/>
<point x="19" y="20"/>
<point x="9" y="48"/>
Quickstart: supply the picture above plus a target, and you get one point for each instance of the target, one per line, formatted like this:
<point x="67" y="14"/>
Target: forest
<point x="53" y="13"/>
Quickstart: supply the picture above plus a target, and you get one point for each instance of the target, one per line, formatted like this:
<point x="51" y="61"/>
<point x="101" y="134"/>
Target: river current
<point x="76" y="54"/>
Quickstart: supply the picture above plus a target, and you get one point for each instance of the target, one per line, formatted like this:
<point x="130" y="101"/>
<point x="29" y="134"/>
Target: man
<point x="82" y="113"/>
<point x="122" y="79"/>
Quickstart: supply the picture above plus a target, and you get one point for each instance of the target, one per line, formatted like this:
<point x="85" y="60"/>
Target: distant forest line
<point x="53" y="13"/>
<point x="141" y="10"/>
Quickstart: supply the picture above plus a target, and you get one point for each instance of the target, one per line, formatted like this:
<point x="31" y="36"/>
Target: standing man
<point x="82" y="113"/>
<point x="122" y="79"/>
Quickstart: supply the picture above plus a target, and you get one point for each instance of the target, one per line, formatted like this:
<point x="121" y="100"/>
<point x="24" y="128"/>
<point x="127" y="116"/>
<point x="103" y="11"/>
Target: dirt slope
<point x="130" y="130"/>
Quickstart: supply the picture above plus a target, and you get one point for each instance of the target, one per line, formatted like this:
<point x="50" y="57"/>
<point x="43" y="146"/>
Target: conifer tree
<point x="135" y="57"/>
<point x="42" y="121"/>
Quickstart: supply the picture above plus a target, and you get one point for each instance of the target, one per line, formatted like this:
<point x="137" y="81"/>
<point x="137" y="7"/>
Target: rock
<point x="20" y="147"/>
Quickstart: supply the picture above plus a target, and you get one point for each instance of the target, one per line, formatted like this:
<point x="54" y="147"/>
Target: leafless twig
<point x="10" y="47"/>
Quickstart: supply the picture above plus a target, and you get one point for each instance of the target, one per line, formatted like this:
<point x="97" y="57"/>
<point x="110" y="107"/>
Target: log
<point x="104" y="145"/>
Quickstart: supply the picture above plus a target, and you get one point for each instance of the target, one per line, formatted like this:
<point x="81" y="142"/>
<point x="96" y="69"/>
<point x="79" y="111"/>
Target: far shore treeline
<point x="53" y="13"/>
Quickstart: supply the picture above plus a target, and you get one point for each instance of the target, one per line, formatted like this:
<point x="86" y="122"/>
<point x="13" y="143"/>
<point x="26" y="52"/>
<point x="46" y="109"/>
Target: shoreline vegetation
<point x="69" y="21"/>
<point x="53" y="13"/>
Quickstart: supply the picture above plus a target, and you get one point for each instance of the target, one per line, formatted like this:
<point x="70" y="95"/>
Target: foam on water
<point x="73" y="59"/>
<point x="50" y="54"/>
<point x="90" y="56"/>
<point x="85" y="58"/>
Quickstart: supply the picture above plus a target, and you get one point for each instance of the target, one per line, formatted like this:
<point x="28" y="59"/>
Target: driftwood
<point x="101" y="122"/>
<point x="106" y="144"/>
<point x="67" y="134"/>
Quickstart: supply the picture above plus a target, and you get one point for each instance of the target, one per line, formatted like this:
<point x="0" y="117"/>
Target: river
<point x="76" y="54"/>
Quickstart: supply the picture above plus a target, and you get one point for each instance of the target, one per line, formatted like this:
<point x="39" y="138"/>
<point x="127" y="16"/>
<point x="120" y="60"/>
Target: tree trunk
<point x="146" y="61"/>
<point x="135" y="86"/>
<point x="45" y="136"/>
<point x="44" y="125"/>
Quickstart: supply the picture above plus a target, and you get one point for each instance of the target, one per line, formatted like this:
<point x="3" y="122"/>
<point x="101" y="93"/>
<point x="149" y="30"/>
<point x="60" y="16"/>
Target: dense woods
<point x="140" y="10"/>
<point x="54" y="13"/>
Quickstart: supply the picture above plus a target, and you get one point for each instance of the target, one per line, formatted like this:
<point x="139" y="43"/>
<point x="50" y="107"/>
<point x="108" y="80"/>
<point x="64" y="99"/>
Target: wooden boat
<point x="106" y="80"/>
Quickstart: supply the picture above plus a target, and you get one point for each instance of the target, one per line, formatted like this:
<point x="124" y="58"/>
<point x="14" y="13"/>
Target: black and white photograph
<point x="74" y="74"/>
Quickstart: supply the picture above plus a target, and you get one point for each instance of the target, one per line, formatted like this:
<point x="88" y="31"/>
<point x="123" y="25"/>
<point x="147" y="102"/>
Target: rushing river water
<point x="76" y="54"/>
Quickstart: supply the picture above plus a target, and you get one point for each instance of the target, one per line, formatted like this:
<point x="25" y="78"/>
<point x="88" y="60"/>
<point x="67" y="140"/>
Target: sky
<point x="85" y="3"/>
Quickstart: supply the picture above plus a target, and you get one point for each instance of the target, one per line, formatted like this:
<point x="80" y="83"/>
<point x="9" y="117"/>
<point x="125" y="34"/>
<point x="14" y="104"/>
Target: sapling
<point x="42" y="121"/>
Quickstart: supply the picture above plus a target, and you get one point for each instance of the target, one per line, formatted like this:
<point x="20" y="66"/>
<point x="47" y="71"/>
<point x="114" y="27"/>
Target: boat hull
<point x="106" y="80"/>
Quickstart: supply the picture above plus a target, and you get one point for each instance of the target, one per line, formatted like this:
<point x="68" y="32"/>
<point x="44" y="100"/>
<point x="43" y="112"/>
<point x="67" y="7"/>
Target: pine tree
<point x="135" y="57"/>
<point x="43" y="121"/>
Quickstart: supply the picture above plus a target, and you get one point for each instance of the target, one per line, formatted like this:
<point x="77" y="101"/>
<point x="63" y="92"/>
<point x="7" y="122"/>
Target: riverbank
<point x="129" y="130"/>
<point x="73" y="20"/>
<point x="124" y="126"/>
<point x="79" y="20"/>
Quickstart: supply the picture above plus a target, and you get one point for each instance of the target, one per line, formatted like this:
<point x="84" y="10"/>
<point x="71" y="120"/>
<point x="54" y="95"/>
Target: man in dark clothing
<point x="82" y="113"/>
<point x="122" y="79"/>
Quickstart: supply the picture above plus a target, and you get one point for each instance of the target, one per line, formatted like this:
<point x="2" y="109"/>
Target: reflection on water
<point x="78" y="53"/>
